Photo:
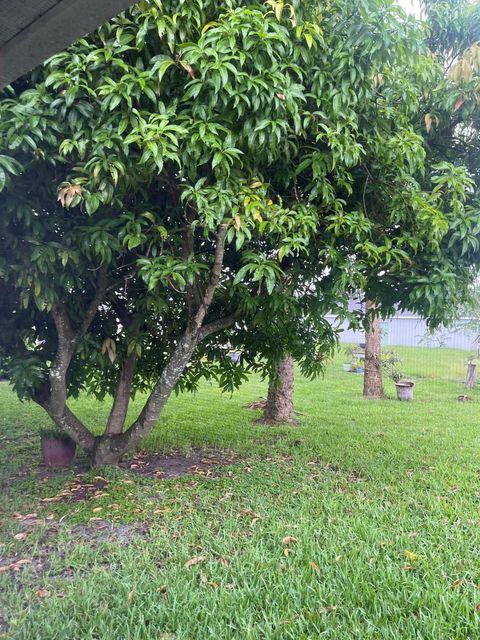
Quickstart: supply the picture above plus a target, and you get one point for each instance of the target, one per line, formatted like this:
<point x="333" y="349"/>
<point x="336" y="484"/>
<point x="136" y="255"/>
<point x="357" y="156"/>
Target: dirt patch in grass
<point x="92" y="533"/>
<point x="14" y="564"/>
<point x="200" y="462"/>
<point x="79" y="491"/>
<point x="107" y="531"/>
<point x="318" y="469"/>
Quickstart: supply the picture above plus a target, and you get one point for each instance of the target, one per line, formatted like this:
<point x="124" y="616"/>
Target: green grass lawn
<point x="382" y="498"/>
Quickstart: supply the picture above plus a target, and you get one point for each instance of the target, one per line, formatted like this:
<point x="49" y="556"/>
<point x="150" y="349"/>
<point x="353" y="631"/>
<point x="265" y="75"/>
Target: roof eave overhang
<point x="53" y="31"/>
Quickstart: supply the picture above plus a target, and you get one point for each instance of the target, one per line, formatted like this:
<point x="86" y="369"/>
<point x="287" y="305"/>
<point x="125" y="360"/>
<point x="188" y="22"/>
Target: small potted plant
<point x="58" y="449"/>
<point x="390" y="363"/>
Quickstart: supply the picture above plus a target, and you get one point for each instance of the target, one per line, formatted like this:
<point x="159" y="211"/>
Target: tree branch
<point x="214" y="278"/>
<point x="56" y="402"/>
<point x="94" y="304"/>
<point x="217" y="325"/>
<point x="192" y="295"/>
<point x="113" y="447"/>
<point x="117" y="416"/>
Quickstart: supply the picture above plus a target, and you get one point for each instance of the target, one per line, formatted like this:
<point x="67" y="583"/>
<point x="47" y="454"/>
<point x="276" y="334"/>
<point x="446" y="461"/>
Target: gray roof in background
<point x="33" y="30"/>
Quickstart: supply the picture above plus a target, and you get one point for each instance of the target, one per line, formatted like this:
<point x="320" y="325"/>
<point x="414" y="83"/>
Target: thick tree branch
<point x="217" y="325"/>
<point x="71" y="425"/>
<point x="118" y="414"/>
<point x="110" y="449"/>
<point x="214" y="278"/>
<point x="192" y="294"/>
<point x="68" y="339"/>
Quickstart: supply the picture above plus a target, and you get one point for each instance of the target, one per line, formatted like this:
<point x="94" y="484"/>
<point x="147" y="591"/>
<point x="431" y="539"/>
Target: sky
<point x="411" y="6"/>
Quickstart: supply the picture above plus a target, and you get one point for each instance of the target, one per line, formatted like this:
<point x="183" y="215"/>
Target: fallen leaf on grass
<point x="21" y="536"/>
<point x="223" y="562"/>
<point x="289" y="540"/>
<point x="130" y="595"/>
<point x="477" y="607"/>
<point x="315" y="567"/>
<point x="97" y="510"/>
<point x="329" y="609"/>
<point x="42" y="593"/>
<point x="250" y="513"/>
<point x="14" y="566"/>
<point x="411" y="556"/>
<point x="456" y="584"/>
<point x="408" y="567"/>
<point x="195" y="560"/>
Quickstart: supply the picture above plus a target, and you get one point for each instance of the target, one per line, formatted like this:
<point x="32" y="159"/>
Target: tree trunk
<point x="279" y="407"/>
<point x="109" y="448"/>
<point x="118" y="414"/>
<point x="114" y="443"/>
<point x="471" y="376"/>
<point x="372" y="380"/>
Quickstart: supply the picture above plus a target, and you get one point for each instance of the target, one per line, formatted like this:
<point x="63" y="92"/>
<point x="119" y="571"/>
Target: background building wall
<point x="411" y="331"/>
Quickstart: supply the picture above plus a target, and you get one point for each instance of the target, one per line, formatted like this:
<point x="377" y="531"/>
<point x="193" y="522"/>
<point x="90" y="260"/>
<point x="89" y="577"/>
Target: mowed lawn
<point x="361" y="523"/>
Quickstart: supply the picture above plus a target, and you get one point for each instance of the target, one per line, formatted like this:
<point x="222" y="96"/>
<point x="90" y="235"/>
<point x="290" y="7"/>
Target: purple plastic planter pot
<point x="58" y="452"/>
<point x="405" y="390"/>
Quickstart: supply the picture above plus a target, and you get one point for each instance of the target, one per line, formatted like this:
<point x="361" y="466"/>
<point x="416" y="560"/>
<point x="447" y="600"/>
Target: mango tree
<point x="186" y="172"/>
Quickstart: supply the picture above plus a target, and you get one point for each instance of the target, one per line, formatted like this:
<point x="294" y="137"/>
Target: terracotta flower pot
<point x="405" y="390"/>
<point x="58" y="452"/>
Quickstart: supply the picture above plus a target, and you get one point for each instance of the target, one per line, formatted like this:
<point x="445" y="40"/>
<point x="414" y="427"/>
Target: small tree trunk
<point x="471" y="380"/>
<point x="279" y="407"/>
<point x="372" y="381"/>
